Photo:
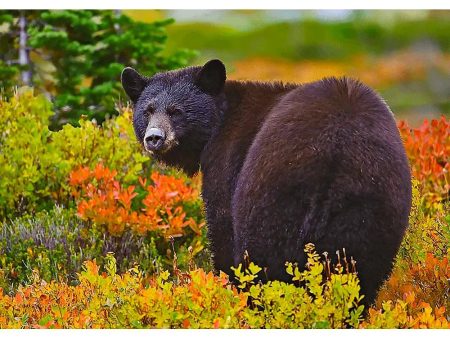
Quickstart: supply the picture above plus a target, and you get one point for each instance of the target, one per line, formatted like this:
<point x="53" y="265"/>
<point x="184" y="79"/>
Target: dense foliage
<point x="35" y="162"/>
<point x="201" y="300"/>
<point x="54" y="168"/>
<point x="429" y="153"/>
<point x="195" y="299"/>
<point x="90" y="228"/>
<point x="167" y="205"/>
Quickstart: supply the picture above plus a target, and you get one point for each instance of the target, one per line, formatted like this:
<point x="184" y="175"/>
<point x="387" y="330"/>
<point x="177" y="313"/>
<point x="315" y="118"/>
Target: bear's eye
<point x="174" y="111"/>
<point x="149" y="111"/>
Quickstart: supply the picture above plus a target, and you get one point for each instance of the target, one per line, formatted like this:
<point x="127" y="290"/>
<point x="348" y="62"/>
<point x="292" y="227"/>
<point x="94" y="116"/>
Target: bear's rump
<point x="326" y="170"/>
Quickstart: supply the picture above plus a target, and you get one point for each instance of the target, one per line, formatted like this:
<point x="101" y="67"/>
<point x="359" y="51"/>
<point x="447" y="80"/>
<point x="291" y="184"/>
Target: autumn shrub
<point x="428" y="149"/>
<point x="56" y="243"/>
<point x="421" y="272"/>
<point x="318" y="298"/>
<point x="108" y="300"/>
<point x="400" y="314"/>
<point x="426" y="282"/>
<point x="102" y="298"/>
<point x="25" y="158"/>
<point x="35" y="163"/>
<point x="422" y="269"/>
<point x="35" y="167"/>
<point x="427" y="231"/>
<point x="164" y="207"/>
<point x="113" y="144"/>
<point x="168" y="205"/>
<point x="193" y="299"/>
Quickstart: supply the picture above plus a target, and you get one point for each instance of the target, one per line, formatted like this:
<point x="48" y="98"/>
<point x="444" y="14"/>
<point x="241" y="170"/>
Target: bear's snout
<point x="154" y="139"/>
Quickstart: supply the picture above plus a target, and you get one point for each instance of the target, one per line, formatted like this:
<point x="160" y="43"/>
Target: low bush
<point x="422" y="269"/>
<point x="196" y="299"/>
<point x="24" y="155"/>
<point x="35" y="163"/>
<point x="169" y="205"/>
<point x="400" y="314"/>
<point x="427" y="232"/>
<point x="419" y="283"/>
<point x="193" y="299"/>
<point x="428" y="149"/>
<point x="421" y="273"/>
<point x="55" y="244"/>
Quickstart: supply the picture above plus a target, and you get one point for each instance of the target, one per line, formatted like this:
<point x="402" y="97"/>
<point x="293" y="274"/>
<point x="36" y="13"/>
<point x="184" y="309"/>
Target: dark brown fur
<point x="285" y="165"/>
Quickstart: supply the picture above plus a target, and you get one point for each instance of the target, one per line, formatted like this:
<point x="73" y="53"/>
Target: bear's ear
<point x="133" y="83"/>
<point x="212" y="77"/>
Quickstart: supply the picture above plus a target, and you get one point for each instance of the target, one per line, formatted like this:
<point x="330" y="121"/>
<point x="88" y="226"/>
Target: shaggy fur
<point x="284" y="165"/>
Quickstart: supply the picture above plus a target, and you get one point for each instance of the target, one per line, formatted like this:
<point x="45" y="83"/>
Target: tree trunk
<point x="117" y="14"/>
<point x="24" y="56"/>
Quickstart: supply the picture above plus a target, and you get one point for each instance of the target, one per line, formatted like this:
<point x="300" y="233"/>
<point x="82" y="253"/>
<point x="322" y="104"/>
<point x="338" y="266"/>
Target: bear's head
<point x="175" y="111"/>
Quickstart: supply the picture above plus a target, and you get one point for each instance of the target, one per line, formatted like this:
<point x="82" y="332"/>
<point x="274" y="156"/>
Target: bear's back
<point x="334" y="104"/>
<point x="329" y="124"/>
<point x="327" y="166"/>
<point x="339" y="121"/>
<point x="333" y="130"/>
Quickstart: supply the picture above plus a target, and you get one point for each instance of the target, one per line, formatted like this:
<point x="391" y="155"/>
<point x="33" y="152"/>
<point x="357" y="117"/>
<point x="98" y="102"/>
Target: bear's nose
<point x="154" y="139"/>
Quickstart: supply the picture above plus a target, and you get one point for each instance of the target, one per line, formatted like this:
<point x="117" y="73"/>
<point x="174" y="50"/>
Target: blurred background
<point x="403" y="54"/>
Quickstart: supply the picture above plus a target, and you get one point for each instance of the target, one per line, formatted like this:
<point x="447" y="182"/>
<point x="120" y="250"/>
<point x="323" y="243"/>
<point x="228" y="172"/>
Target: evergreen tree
<point x="14" y="61"/>
<point x="76" y="57"/>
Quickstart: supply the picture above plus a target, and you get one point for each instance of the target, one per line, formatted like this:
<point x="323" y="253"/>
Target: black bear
<point x="283" y="165"/>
